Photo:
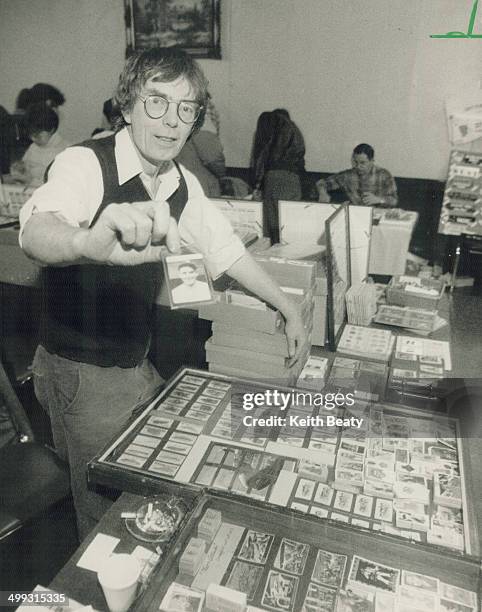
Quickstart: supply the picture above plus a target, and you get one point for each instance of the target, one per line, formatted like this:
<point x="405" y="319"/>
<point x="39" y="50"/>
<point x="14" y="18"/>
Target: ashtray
<point x="156" y="519"/>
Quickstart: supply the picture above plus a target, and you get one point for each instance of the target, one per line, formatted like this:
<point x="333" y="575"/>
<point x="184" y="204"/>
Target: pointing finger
<point x="161" y="221"/>
<point x="173" y="238"/>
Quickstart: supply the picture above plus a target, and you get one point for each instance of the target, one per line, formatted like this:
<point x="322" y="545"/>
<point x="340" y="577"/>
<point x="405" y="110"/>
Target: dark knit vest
<point x="101" y="314"/>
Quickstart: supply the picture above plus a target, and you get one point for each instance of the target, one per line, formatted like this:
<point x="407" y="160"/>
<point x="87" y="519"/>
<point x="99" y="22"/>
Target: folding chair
<point x="32" y="477"/>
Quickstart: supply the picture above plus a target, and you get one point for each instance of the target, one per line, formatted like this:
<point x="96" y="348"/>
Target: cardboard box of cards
<point x="289" y="272"/>
<point x="235" y="312"/>
<point x="274" y="366"/>
<point x="415" y="291"/>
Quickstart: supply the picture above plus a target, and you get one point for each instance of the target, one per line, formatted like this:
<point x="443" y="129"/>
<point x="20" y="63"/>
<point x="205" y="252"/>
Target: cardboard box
<point x="399" y="296"/>
<point x="289" y="272"/>
<point x="288" y="380"/>
<point x="235" y="316"/>
<point x="318" y="337"/>
<point x="231" y="355"/>
<point x="243" y="338"/>
<point x="272" y="365"/>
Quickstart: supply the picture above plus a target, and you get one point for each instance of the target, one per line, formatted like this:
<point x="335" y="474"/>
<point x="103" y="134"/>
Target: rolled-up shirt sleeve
<point x="203" y="226"/>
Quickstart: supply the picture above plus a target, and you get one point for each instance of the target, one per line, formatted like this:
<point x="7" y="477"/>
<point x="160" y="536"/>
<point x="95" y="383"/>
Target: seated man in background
<point x="42" y="123"/>
<point x="365" y="184"/>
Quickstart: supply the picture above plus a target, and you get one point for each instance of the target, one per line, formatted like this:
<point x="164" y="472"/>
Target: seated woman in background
<point x="203" y="155"/>
<point x="42" y="123"/>
<point x="277" y="163"/>
<point x="14" y="138"/>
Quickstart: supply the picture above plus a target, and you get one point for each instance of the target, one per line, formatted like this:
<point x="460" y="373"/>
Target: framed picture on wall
<point x="192" y="25"/>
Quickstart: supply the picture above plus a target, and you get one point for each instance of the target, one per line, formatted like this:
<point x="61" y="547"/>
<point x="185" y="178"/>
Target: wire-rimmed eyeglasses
<point x="156" y="106"/>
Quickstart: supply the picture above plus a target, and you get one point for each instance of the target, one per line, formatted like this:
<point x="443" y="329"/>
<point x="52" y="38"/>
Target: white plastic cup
<point x="118" y="577"/>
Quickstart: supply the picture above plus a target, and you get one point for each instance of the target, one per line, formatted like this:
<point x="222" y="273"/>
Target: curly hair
<point x="169" y="64"/>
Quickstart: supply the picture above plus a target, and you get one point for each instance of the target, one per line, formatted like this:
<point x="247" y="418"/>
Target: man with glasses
<point x="365" y="184"/>
<point x="98" y="226"/>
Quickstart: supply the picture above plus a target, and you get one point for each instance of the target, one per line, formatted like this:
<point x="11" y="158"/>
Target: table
<point x="81" y="584"/>
<point x="389" y="245"/>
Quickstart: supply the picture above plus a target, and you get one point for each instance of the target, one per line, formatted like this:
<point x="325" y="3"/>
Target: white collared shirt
<point x="37" y="159"/>
<point x="75" y="190"/>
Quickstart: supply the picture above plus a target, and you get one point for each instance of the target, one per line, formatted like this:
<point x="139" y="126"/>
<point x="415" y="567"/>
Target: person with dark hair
<point x="110" y="116"/>
<point x="14" y="139"/>
<point x="191" y="289"/>
<point x="42" y="123"/>
<point x="277" y="162"/>
<point x="365" y="184"/>
<point x="100" y="226"/>
<point x="24" y="99"/>
<point x="46" y="94"/>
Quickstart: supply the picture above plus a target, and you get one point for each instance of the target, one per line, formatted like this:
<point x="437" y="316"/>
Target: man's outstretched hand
<point x="130" y="234"/>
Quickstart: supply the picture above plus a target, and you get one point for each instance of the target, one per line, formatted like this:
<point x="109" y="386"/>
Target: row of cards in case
<point x="279" y="572"/>
<point x="366" y="342"/>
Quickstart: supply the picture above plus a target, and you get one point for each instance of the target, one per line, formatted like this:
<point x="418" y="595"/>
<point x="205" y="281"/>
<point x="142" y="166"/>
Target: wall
<point x="347" y="71"/>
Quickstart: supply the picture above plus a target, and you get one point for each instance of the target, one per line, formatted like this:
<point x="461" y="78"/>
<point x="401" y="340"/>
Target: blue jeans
<point x="87" y="406"/>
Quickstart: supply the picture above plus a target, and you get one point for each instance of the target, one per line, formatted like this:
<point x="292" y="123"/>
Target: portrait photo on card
<point x="187" y="280"/>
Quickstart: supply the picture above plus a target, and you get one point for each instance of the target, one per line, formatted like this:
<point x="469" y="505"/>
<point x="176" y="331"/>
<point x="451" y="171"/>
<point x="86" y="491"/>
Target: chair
<point x="32" y="477"/>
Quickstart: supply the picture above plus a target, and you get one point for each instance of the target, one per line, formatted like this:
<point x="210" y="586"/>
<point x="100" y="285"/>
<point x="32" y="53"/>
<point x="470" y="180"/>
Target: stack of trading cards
<point x="192" y="557"/>
<point x="180" y="597"/>
<point x="313" y="374"/>
<point x="349" y="467"/>
<point x="447" y="490"/>
<point x="209" y="525"/>
<point x="429" y="352"/>
<point x="411" y="486"/>
<point x="415" y="319"/>
<point x="361" y="303"/>
<point x="395" y="216"/>
<point x="366" y="342"/>
<point x="367" y="379"/>
<point x="224" y="599"/>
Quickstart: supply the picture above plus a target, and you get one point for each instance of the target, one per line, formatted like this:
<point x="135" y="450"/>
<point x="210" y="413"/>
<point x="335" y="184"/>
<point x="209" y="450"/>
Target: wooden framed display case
<point x="338" y="271"/>
<point x="302" y="227"/>
<point x="275" y="559"/>
<point x="246" y="217"/>
<point x="377" y="467"/>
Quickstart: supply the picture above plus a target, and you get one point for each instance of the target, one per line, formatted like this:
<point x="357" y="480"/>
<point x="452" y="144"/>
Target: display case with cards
<point x="239" y="556"/>
<point x="375" y="466"/>
<point x="245" y="216"/>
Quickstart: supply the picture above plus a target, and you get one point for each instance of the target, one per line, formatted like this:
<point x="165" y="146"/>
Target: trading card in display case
<point x="380" y="467"/>
<point x="271" y="559"/>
